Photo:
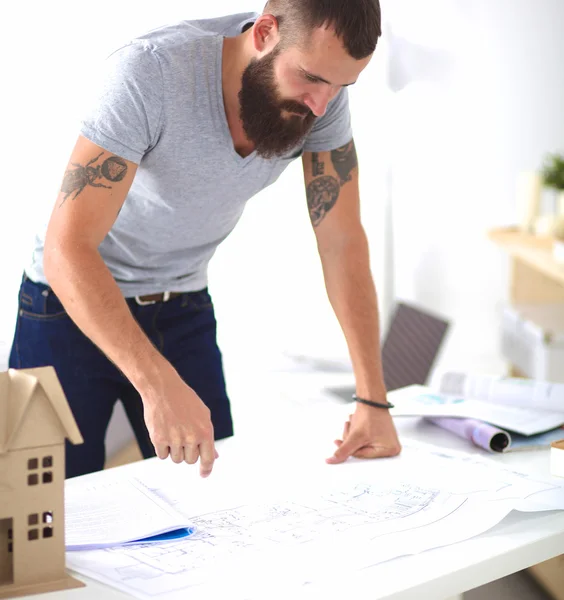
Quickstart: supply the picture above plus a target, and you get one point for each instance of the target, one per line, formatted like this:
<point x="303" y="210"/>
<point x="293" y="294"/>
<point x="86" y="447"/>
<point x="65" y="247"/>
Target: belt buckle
<point x="140" y="302"/>
<point x="144" y="302"/>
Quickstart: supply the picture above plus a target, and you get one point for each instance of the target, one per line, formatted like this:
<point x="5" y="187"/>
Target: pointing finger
<point x="207" y="457"/>
<point x="345" y="450"/>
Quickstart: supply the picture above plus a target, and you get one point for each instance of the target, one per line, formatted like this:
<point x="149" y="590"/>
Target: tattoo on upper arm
<point x="317" y="166"/>
<point x="344" y="160"/>
<point x="323" y="192"/>
<point x="112" y="169"/>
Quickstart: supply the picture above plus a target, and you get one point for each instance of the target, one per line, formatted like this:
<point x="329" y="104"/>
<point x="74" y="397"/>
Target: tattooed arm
<point x="93" y="191"/>
<point x="333" y="199"/>
<point x="332" y="191"/>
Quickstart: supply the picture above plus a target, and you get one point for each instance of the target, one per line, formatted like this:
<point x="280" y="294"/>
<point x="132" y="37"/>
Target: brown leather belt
<point x="154" y="298"/>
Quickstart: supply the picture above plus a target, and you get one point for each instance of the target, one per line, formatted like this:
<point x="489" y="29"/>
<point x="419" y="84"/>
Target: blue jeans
<point x="182" y="329"/>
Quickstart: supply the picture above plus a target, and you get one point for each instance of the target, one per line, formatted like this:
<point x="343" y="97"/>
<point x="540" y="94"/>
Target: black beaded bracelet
<point x="371" y="403"/>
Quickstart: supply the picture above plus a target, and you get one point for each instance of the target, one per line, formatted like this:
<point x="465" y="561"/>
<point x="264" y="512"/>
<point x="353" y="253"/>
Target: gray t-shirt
<point x="161" y="106"/>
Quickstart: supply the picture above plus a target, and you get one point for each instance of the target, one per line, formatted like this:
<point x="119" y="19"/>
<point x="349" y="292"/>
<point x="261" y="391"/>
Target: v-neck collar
<point x="224" y="125"/>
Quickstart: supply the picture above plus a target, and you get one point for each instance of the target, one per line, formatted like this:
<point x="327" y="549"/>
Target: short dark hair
<point x="358" y="23"/>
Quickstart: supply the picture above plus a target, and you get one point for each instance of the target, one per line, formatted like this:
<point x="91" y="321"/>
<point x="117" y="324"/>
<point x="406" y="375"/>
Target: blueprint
<point x="376" y="510"/>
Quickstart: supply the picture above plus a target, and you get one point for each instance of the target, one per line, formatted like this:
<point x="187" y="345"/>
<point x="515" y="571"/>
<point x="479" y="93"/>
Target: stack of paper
<point x="418" y="400"/>
<point x="503" y="391"/>
<point x="106" y="513"/>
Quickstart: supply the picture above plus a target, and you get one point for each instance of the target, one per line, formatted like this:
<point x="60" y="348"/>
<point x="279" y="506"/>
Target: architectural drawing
<point x="242" y="550"/>
<point x="229" y="543"/>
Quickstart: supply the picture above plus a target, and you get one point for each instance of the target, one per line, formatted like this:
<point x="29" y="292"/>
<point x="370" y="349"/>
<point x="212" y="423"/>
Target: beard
<point x="272" y="133"/>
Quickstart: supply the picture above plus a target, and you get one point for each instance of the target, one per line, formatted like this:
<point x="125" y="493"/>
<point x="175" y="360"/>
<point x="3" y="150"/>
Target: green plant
<point x="553" y="171"/>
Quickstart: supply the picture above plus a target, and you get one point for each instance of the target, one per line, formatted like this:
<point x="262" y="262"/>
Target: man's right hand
<point x="179" y="424"/>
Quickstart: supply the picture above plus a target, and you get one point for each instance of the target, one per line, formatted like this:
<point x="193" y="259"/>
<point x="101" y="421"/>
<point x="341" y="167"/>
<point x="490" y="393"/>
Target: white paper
<point x="107" y="512"/>
<point x="417" y="400"/>
<point x="351" y="517"/>
<point x="506" y="391"/>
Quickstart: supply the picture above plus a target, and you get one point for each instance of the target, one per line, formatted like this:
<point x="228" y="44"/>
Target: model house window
<point x="46" y="476"/>
<point x="33" y="521"/>
<point x="47" y="520"/>
<point x="10" y="536"/>
<point x="32" y="464"/>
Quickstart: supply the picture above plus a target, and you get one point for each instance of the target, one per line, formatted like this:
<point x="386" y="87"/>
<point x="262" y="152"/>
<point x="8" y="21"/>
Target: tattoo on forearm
<point x="322" y="194"/>
<point x="317" y="166"/>
<point x="112" y="169"/>
<point x="344" y="160"/>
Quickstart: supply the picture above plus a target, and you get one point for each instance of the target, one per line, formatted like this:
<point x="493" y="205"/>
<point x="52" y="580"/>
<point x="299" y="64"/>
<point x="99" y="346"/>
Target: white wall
<point x="49" y="59"/>
<point x="458" y="146"/>
<point x="453" y="151"/>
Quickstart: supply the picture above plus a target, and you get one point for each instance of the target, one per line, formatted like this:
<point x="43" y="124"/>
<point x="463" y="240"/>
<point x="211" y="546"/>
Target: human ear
<point x="265" y="33"/>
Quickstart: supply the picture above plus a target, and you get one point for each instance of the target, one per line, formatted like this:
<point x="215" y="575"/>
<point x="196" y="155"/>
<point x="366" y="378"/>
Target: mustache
<point x="293" y="106"/>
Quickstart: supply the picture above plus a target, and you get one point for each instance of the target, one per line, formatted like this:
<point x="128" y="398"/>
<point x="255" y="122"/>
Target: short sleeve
<point x="124" y="115"/>
<point x="333" y="129"/>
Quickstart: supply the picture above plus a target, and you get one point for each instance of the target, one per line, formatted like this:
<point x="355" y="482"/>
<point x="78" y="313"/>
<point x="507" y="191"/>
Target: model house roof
<point x="18" y="390"/>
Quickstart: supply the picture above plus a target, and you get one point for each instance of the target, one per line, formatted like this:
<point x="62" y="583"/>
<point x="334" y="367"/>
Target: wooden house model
<point x="35" y="421"/>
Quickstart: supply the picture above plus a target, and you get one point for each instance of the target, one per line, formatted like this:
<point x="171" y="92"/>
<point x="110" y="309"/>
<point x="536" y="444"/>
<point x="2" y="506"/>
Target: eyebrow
<point x="319" y="78"/>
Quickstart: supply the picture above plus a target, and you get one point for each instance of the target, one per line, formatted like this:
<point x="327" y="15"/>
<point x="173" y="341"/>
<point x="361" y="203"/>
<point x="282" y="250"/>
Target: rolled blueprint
<point x="481" y="434"/>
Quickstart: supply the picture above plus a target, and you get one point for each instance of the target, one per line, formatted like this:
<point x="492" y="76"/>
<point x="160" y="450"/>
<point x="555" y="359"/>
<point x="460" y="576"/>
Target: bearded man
<point x="190" y="122"/>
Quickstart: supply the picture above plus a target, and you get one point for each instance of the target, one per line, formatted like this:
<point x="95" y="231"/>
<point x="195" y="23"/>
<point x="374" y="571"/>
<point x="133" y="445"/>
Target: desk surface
<point x="519" y="541"/>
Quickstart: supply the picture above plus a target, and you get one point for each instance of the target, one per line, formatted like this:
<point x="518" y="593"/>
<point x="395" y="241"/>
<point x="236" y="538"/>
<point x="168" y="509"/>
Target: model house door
<point x="6" y="552"/>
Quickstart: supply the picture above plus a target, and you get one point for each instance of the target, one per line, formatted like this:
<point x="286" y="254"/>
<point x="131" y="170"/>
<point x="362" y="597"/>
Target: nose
<point x="317" y="102"/>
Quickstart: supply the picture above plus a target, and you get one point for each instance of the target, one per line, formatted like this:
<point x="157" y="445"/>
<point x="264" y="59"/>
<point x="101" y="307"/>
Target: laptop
<point x="409" y="350"/>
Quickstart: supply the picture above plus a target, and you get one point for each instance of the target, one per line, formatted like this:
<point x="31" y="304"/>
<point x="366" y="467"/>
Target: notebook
<point x="102" y="514"/>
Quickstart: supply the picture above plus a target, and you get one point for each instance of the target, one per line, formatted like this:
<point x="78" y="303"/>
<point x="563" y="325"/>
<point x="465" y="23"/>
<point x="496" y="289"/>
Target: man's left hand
<point x="370" y="433"/>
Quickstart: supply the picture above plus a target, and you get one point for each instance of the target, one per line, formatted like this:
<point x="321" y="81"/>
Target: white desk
<point x="521" y="540"/>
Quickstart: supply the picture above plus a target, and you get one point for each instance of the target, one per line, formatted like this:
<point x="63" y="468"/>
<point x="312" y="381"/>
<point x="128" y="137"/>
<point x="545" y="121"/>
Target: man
<point x="190" y="122"/>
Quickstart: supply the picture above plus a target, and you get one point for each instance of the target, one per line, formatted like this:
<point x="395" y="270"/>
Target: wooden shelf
<point x="535" y="278"/>
<point x="534" y="251"/>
